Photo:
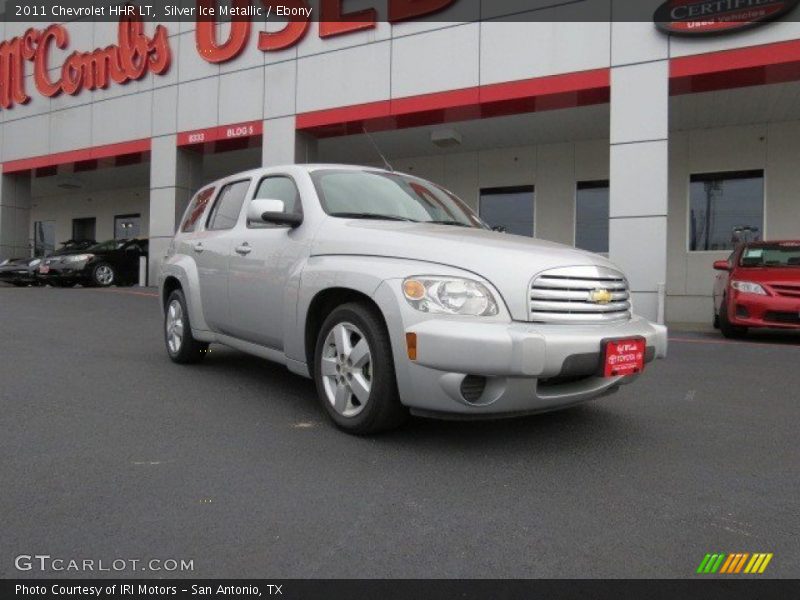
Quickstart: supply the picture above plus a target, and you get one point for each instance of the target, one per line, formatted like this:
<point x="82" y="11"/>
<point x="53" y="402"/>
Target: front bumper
<point x="77" y="274"/>
<point x="465" y="367"/>
<point x="752" y="310"/>
<point x="14" y="275"/>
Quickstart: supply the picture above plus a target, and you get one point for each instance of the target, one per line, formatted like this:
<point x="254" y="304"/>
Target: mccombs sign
<point x="136" y="54"/>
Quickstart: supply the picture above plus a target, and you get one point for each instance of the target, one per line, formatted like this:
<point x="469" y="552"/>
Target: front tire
<point x="728" y="329"/>
<point x="103" y="275"/>
<point x="354" y="371"/>
<point x="182" y="347"/>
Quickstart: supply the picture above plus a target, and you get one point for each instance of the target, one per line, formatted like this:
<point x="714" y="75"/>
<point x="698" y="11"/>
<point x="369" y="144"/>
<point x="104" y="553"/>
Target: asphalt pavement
<point x="110" y="451"/>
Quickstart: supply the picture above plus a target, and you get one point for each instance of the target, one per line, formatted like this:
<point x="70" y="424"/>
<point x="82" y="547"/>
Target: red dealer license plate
<point x="624" y="357"/>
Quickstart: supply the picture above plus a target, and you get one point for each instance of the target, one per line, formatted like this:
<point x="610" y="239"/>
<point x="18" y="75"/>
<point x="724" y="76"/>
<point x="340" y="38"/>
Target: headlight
<point x="34" y="262"/>
<point x="4" y="262"/>
<point x="450" y="296"/>
<point x="75" y="258"/>
<point x="748" y="287"/>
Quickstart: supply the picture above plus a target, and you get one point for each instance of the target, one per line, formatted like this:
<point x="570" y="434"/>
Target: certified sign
<point x="713" y="17"/>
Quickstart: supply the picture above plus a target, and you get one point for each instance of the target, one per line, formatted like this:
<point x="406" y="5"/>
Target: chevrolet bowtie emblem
<point x="600" y="296"/>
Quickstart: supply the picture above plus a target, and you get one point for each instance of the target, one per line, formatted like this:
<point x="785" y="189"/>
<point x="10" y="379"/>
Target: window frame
<point x="731" y="174"/>
<point x="218" y="194"/>
<point x="252" y="197"/>
<point x="510" y="189"/>
<point x="591" y="184"/>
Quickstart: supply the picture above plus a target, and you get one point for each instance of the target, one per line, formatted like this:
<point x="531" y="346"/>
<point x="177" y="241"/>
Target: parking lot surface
<point x="111" y="451"/>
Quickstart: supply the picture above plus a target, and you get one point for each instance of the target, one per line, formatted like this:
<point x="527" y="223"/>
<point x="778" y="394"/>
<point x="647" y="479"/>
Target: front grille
<point x="790" y="318"/>
<point x="580" y="295"/>
<point x="793" y="291"/>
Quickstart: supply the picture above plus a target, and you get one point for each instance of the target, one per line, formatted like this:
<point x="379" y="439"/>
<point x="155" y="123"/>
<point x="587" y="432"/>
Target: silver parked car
<point x="395" y="297"/>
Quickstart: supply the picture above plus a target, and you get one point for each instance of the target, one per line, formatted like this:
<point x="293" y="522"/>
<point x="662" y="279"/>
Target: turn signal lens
<point x="413" y="289"/>
<point x="411" y="345"/>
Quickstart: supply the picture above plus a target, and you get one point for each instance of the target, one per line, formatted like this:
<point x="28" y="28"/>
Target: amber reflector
<point x="411" y="344"/>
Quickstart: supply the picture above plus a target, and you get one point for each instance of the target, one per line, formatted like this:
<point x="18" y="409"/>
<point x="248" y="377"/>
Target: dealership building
<point x="659" y="150"/>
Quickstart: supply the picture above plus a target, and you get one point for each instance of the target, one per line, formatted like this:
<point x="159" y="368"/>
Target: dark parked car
<point x="115" y="262"/>
<point x="20" y="271"/>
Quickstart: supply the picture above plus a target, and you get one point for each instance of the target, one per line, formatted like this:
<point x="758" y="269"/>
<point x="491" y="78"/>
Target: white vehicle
<point x="395" y="297"/>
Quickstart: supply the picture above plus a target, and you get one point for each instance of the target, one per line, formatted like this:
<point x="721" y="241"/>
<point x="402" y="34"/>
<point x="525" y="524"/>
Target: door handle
<point x="198" y="247"/>
<point x="244" y="249"/>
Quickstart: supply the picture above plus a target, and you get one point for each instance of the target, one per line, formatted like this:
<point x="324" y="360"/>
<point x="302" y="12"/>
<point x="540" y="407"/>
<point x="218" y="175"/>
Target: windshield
<point x="106" y="246"/>
<point x="786" y="254"/>
<point x="390" y="196"/>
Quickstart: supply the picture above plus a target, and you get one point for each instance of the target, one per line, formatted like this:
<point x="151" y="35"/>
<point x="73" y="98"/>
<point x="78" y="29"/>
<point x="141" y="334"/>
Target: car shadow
<point x="588" y="426"/>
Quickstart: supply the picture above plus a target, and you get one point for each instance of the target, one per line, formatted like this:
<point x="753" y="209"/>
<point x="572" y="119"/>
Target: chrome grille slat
<point x="564" y="295"/>
<point x="581" y="307"/>
<point x="576" y="295"/>
<point x="579" y="284"/>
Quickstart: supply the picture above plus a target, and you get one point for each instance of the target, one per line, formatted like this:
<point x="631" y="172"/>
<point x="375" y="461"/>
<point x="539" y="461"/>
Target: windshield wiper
<point x="453" y="223"/>
<point x="374" y="216"/>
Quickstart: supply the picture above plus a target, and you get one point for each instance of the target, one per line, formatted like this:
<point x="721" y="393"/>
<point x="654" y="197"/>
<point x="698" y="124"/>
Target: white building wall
<point x="103" y="205"/>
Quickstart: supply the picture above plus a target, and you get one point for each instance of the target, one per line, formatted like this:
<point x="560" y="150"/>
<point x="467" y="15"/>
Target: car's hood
<point x="16" y="262"/>
<point x="769" y="275"/>
<point x="507" y="261"/>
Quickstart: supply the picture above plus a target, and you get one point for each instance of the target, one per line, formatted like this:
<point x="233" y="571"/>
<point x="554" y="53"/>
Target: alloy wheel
<point x="174" y="326"/>
<point x="347" y="369"/>
<point x="104" y="275"/>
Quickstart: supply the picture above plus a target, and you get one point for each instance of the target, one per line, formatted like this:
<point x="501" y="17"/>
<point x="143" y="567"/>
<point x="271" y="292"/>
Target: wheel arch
<point x="171" y="283"/>
<point x="322" y="305"/>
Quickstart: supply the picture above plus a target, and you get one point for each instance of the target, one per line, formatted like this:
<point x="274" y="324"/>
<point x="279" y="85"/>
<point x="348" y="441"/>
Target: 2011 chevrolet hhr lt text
<point x="395" y="297"/>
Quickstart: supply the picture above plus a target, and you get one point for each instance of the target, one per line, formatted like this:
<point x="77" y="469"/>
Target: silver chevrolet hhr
<point x="396" y="298"/>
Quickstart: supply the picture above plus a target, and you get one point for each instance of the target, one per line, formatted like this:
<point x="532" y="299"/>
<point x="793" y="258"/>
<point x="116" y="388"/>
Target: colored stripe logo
<point x="732" y="564"/>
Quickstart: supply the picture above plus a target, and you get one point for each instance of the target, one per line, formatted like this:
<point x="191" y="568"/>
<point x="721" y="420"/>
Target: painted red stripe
<point x="739" y="58"/>
<point x="778" y="62"/>
<point x="541" y="93"/>
<point x="545" y="86"/>
<point x="345" y="114"/>
<point x="74" y="156"/>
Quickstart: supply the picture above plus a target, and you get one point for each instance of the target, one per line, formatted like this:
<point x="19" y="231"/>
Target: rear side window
<point x="229" y="202"/>
<point x="196" y="209"/>
<point x="280" y="188"/>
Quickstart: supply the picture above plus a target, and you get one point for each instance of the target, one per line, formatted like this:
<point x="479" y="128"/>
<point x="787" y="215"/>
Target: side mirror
<point x="272" y="211"/>
<point x="721" y="265"/>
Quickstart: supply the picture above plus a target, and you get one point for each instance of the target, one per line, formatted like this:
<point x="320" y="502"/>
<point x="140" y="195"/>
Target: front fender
<point x="363" y="274"/>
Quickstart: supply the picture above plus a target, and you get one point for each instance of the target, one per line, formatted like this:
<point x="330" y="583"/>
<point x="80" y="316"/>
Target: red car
<point x="758" y="286"/>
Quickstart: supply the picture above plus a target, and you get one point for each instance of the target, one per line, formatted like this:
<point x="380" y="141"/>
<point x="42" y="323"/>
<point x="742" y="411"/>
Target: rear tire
<point x="354" y="371"/>
<point x="181" y="345"/>
<point x="728" y="329"/>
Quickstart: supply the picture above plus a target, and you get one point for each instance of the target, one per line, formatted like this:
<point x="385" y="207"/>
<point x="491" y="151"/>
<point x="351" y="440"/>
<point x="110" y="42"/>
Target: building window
<point x="127" y="227"/>
<point x="591" y="216"/>
<point x="725" y="209"/>
<point x="226" y="210"/>
<point x="509" y="207"/>
<point x="84" y="229"/>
